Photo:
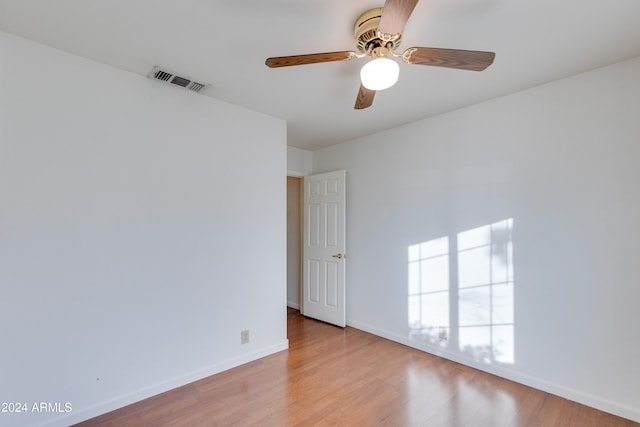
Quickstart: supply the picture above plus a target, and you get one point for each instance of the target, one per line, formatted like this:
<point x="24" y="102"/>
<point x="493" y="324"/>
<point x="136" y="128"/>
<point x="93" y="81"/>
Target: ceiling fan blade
<point x="313" y="58"/>
<point x="449" y="58"/>
<point x="395" y="15"/>
<point x="365" y="98"/>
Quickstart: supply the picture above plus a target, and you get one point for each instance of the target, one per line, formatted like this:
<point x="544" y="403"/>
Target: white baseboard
<point x="136" y="396"/>
<point x="293" y="305"/>
<point x="537" y="383"/>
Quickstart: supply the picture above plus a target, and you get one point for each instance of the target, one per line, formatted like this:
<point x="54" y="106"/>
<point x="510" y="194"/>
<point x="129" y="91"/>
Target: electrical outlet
<point x="443" y="333"/>
<point x="244" y="336"/>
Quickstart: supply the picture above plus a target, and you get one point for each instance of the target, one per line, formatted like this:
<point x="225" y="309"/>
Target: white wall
<point x="138" y="234"/>
<point x="561" y="161"/>
<point x="299" y="161"/>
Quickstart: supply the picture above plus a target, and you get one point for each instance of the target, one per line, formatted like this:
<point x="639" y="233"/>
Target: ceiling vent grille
<point x="168" y="77"/>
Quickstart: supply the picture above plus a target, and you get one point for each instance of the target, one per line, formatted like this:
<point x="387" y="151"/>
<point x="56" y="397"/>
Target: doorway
<point x="294" y="242"/>
<point x="316" y="231"/>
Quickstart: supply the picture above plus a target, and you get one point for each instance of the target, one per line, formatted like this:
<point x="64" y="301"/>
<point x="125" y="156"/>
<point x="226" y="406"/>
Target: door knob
<point x="338" y="256"/>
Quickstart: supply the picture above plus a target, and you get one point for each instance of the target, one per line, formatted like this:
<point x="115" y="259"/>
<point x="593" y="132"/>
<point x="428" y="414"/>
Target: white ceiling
<point x="225" y="43"/>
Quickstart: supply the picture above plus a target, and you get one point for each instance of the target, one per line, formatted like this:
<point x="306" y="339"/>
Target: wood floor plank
<point x="345" y="377"/>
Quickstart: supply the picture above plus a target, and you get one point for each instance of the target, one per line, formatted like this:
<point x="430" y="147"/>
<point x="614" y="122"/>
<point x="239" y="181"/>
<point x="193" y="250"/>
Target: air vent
<point x="167" y="76"/>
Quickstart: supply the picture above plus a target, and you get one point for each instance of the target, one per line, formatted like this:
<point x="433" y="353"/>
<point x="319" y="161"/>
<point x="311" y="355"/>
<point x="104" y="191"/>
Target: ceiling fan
<point x="378" y="33"/>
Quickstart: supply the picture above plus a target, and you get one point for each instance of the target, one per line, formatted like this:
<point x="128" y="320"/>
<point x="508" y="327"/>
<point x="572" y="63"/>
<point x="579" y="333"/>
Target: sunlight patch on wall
<point x="461" y="292"/>
<point x="429" y="288"/>
<point x="485" y="296"/>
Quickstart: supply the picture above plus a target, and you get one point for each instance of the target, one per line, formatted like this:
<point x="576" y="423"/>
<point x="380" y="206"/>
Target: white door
<point x="323" y="283"/>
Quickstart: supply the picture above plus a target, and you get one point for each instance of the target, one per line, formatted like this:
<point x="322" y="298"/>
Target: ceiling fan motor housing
<point x="367" y="35"/>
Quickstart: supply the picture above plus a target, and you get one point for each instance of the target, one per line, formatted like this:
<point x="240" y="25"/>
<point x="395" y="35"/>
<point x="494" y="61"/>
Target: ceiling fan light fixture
<point x="380" y="73"/>
<point x="378" y="33"/>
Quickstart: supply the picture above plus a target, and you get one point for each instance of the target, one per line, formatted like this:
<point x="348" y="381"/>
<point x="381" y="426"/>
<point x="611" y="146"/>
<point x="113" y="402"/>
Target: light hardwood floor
<point x="345" y="377"/>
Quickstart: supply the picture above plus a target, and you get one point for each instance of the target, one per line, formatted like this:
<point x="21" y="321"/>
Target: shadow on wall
<point x="461" y="292"/>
